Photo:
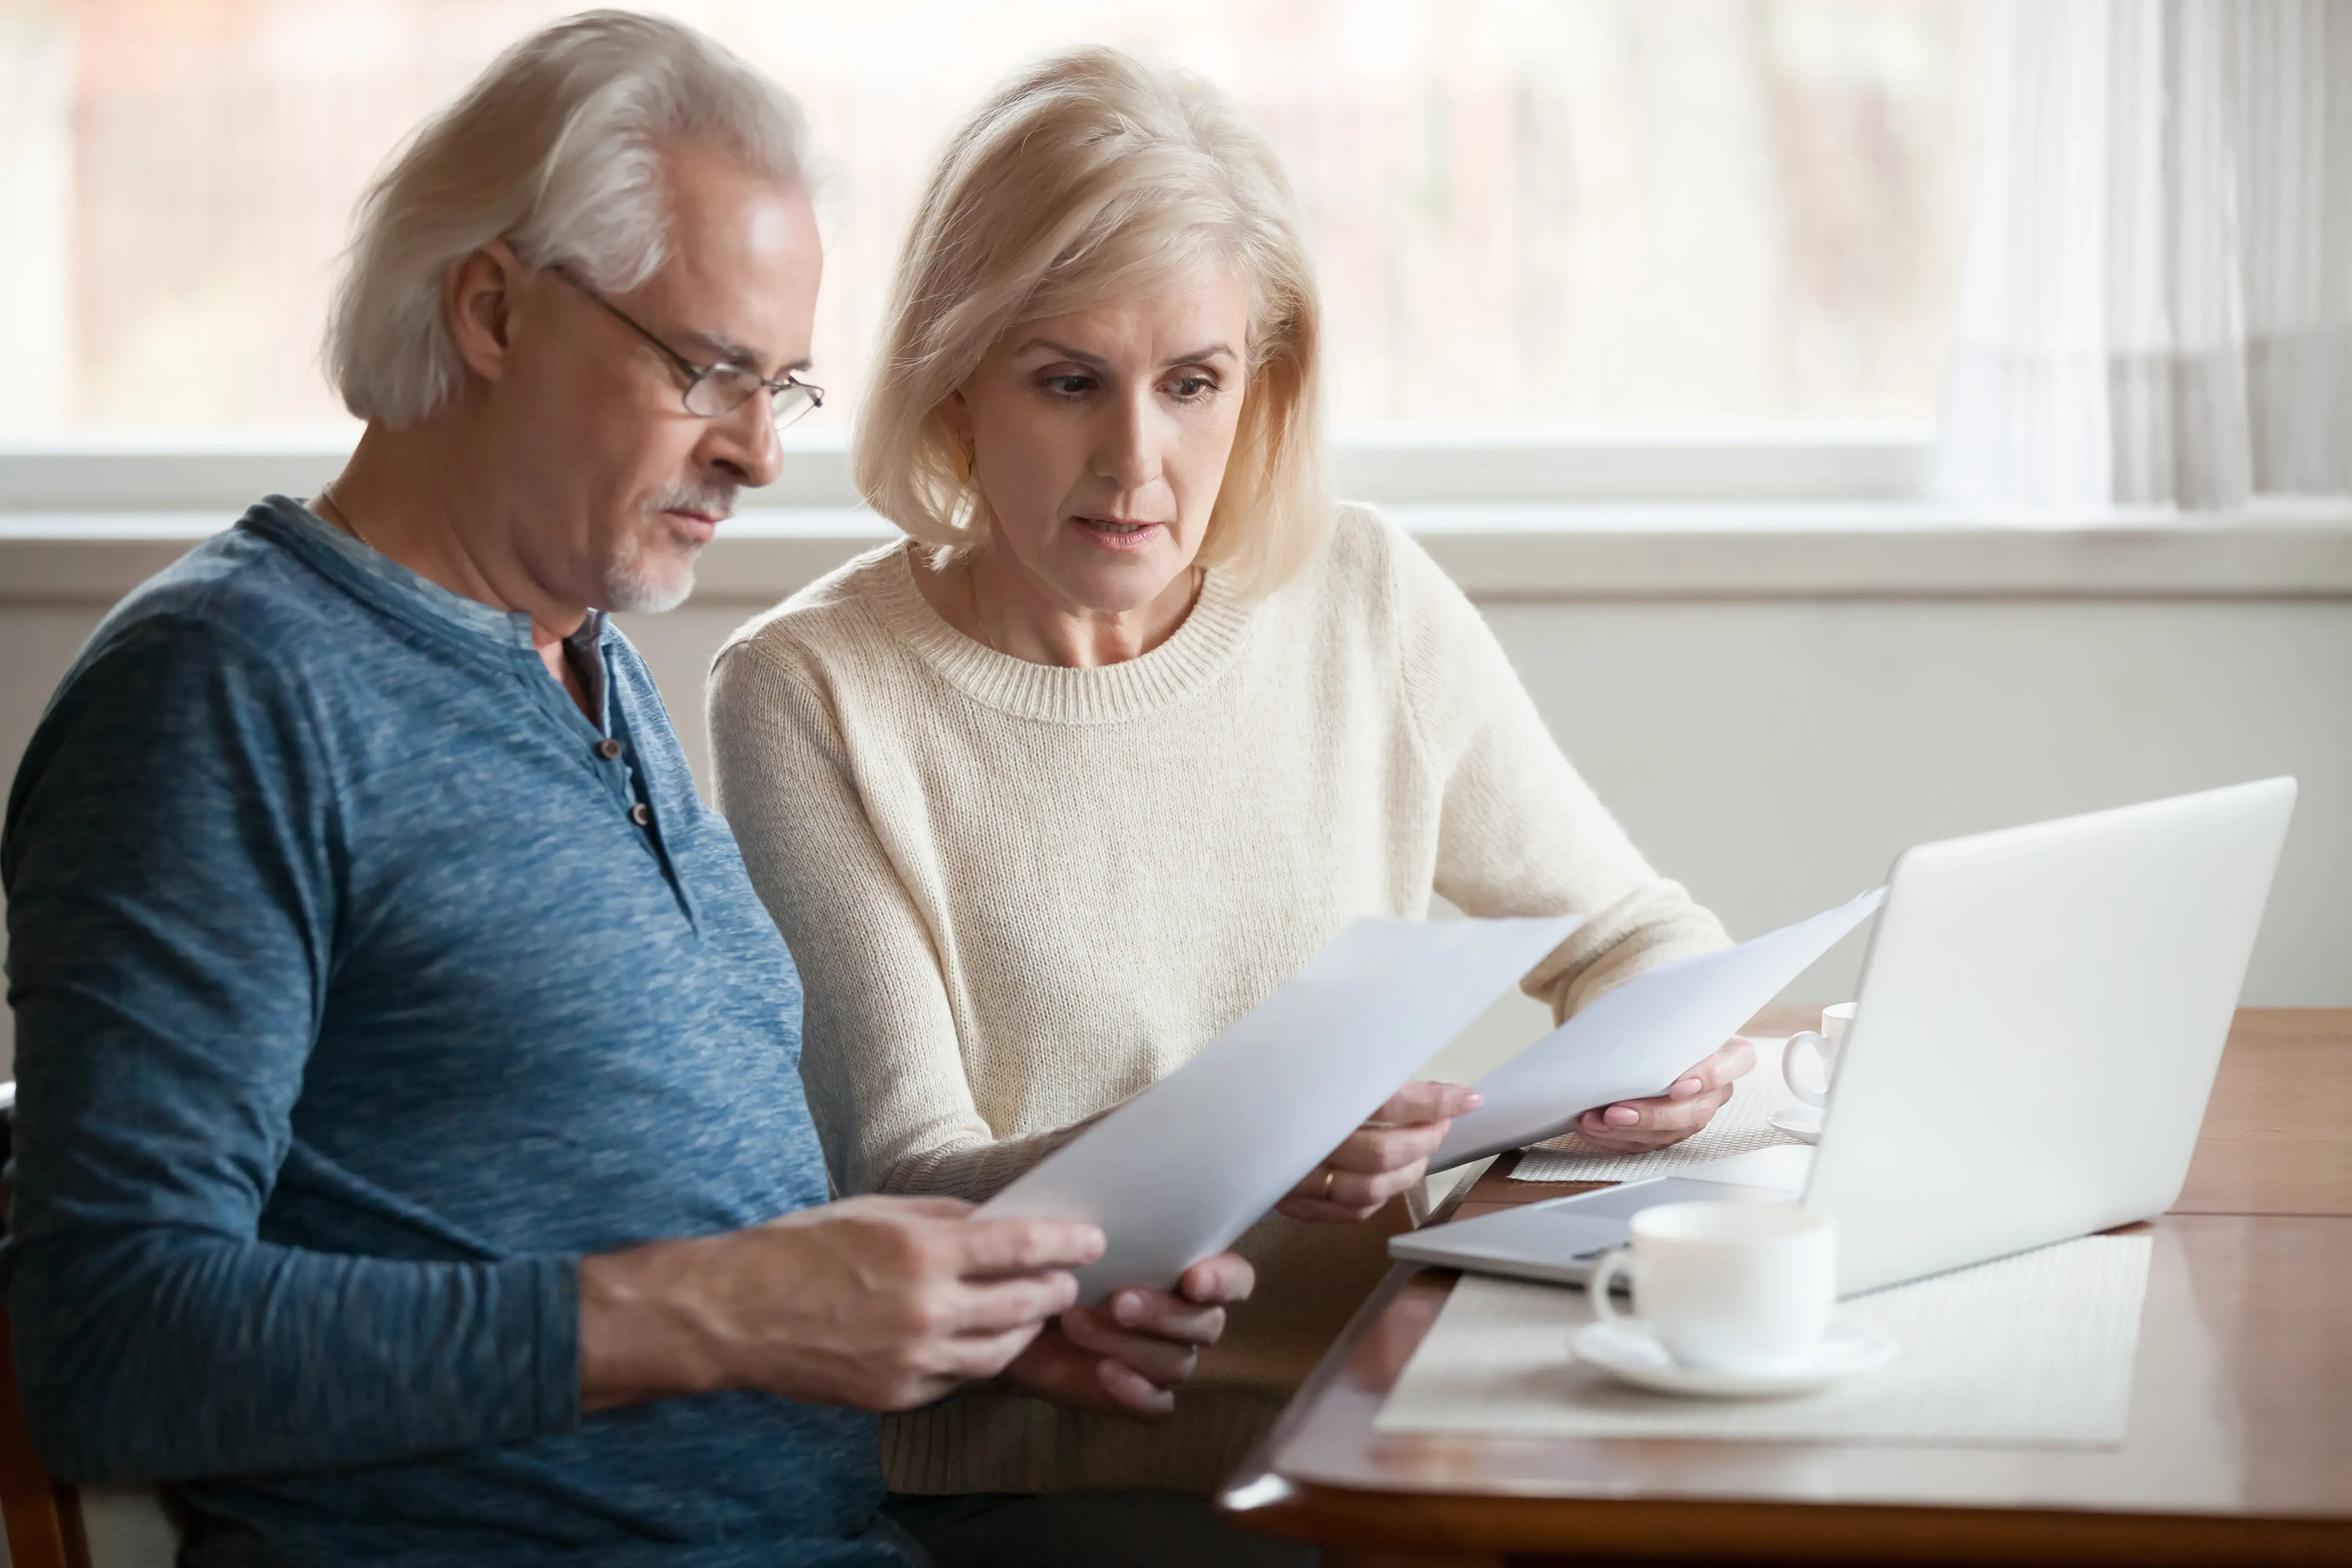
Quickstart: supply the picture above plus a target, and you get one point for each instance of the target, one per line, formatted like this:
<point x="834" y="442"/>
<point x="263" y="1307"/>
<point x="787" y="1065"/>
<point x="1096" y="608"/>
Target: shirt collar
<point x="509" y="628"/>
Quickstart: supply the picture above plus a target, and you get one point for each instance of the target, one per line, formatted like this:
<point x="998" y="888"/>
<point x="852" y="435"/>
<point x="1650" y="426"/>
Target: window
<point x="1591" y="210"/>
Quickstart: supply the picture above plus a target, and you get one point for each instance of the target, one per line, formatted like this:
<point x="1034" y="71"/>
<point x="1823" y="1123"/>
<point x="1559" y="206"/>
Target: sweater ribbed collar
<point x="1200" y="651"/>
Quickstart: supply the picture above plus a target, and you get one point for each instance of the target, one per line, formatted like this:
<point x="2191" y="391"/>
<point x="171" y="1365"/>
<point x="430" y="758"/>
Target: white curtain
<point x="2157" y="303"/>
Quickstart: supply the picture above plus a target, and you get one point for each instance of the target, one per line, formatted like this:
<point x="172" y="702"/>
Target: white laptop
<point x="2041" y="1014"/>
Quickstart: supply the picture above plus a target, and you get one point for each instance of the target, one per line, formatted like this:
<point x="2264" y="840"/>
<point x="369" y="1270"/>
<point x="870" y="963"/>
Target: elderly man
<point x="410" y="1157"/>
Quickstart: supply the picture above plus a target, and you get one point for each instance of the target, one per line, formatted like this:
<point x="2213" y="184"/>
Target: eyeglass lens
<point x="725" y="388"/>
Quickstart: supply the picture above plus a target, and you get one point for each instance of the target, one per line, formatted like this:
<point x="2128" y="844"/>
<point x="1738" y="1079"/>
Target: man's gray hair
<point x="557" y="149"/>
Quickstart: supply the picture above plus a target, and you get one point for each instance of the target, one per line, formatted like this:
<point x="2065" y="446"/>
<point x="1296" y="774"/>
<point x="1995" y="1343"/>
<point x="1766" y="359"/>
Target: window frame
<point x="1514" y="512"/>
<point x="1474" y="464"/>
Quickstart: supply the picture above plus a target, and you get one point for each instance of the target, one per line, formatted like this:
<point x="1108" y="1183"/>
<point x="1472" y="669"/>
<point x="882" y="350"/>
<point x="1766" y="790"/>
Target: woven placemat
<point x="2031" y="1351"/>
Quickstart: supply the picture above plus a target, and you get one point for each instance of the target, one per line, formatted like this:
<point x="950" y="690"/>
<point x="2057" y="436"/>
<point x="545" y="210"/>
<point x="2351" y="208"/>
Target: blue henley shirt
<point x="362" y="985"/>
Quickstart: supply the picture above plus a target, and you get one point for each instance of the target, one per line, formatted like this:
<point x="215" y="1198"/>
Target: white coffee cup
<point x="1738" y="1287"/>
<point x="1809" y="1061"/>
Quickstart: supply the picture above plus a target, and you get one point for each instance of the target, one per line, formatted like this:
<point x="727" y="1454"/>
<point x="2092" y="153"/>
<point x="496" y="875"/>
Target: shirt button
<point x="608" y="749"/>
<point x="642" y="815"/>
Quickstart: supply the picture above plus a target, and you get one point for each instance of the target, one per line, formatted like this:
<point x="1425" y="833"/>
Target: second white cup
<point x="1809" y="1061"/>
<point x="1736" y="1288"/>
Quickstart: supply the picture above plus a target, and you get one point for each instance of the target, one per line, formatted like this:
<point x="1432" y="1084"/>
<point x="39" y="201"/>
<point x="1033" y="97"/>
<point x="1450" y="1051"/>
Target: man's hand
<point x="880" y="1302"/>
<point x="1638" y="1126"/>
<point x="1127" y="1355"/>
<point x="1382" y="1157"/>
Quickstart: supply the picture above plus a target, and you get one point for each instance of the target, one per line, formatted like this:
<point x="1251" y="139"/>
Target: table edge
<point x="1746" y="1529"/>
<point x="1260" y="1497"/>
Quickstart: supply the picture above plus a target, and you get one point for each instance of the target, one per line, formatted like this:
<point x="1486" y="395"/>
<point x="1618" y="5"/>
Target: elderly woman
<point x="1047" y="794"/>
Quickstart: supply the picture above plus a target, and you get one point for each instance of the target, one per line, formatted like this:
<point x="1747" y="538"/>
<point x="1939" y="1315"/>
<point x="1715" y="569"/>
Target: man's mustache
<point x="717" y="500"/>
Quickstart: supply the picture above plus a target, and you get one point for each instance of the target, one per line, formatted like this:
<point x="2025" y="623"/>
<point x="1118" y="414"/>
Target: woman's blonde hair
<point x="1089" y="176"/>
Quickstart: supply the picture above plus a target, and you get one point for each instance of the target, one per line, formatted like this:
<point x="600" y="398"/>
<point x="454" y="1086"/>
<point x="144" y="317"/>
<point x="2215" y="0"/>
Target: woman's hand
<point x="1638" y="1126"/>
<point x="1126" y="1356"/>
<point x="1382" y="1157"/>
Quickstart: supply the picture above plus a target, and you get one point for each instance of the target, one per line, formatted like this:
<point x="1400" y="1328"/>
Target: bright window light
<point x="1524" y="210"/>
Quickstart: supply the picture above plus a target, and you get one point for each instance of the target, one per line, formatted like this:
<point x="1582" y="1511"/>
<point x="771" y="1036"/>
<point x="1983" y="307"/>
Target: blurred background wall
<point x="1775" y="750"/>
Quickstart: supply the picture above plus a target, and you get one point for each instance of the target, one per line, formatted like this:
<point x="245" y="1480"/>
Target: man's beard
<point x="655" y="572"/>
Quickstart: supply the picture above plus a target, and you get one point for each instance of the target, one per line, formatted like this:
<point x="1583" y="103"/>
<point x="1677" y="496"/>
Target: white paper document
<point x="1176" y="1173"/>
<point x="1634" y="1041"/>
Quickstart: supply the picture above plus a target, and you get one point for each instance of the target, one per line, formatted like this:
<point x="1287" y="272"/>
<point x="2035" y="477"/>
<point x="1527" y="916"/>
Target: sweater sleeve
<point x="171" y="913"/>
<point x="1520" y="832"/>
<point x="880" y="1054"/>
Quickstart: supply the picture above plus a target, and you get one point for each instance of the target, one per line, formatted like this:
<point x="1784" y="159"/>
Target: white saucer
<point x="1631" y="1353"/>
<point x="1804" y="1120"/>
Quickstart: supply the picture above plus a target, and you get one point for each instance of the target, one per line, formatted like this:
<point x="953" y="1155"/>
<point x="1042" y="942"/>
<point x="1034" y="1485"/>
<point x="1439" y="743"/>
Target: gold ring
<point x="1330" y="1175"/>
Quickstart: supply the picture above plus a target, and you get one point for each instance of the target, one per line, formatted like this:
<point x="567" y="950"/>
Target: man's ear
<point x="479" y="297"/>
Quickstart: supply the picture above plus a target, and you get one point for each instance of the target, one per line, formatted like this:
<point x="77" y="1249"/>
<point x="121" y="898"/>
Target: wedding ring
<point x="1330" y="1175"/>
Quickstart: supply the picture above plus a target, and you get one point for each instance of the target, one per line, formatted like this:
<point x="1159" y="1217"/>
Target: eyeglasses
<point x="712" y="390"/>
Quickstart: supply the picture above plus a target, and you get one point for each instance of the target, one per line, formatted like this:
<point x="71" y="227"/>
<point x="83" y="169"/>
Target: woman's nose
<point x="1128" y="451"/>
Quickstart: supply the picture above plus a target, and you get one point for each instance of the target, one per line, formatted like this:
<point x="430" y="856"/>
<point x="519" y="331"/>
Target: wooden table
<point x="2240" y="1449"/>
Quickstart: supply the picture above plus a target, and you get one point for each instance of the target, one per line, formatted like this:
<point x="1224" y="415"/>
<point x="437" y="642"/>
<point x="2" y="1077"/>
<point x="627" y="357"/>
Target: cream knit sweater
<point x="1019" y="894"/>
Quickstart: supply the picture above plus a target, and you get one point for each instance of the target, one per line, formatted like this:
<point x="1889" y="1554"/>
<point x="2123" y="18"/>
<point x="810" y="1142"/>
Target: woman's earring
<point x="963" y="459"/>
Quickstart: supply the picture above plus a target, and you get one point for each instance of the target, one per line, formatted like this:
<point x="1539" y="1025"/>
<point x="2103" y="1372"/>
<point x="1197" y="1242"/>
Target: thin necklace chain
<point x="971" y="595"/>
<point x="343" y="516"/>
